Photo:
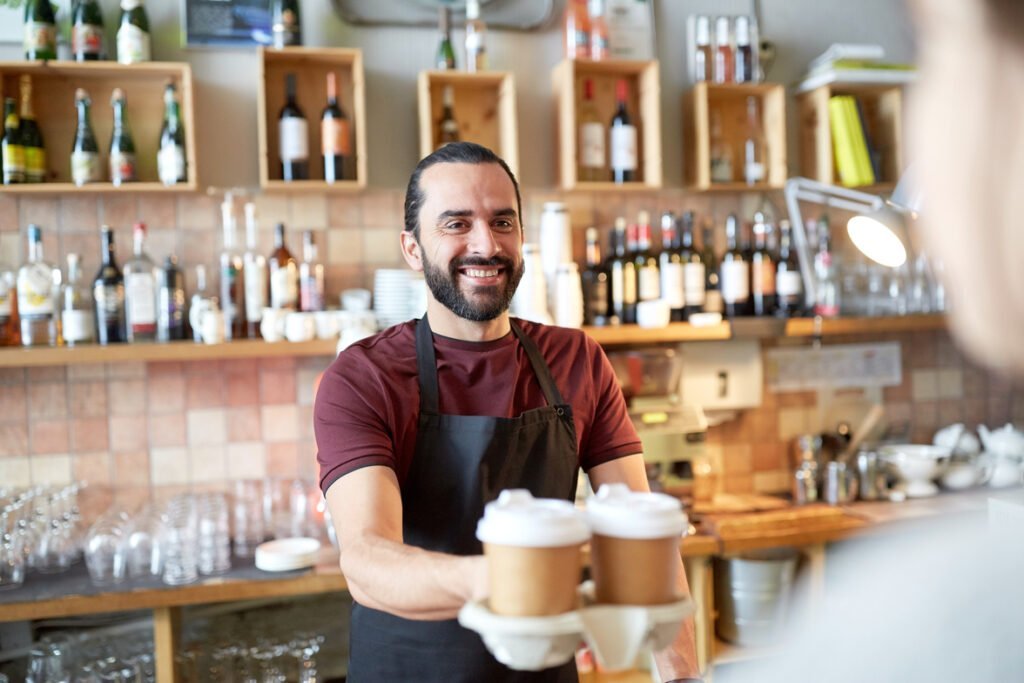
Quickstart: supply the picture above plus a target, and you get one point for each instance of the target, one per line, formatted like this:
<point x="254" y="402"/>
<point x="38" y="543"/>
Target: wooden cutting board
<point x="725" y="503"/>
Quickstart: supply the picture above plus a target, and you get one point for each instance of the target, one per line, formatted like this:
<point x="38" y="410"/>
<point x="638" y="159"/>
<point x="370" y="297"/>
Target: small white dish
<point x="287" y="554"/>
<point x="704" y="319"/>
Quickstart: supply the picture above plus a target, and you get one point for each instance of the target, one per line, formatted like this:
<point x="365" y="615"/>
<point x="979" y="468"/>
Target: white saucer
<point x="287" y="554"/>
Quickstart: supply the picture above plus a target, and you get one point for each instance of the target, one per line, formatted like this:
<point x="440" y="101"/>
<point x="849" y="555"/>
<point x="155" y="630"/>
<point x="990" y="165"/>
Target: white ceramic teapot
<point x="1006" y="447"/>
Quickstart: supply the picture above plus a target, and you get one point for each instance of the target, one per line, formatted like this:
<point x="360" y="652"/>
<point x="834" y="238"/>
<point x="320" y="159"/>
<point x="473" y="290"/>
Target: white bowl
<point x="917" y="465"/>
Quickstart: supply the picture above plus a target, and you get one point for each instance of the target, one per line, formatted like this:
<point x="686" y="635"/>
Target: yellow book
<point x="861" y="157"/>
<point x="842" y="147"/>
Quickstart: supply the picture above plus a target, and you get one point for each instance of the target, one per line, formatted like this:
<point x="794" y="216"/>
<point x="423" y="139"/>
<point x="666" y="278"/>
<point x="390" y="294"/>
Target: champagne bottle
<point x="122" y="146"/>
<point x="445" y="52"/>
<point x="40" y="30"/>
<point x="285" y="23"/>
<point x="12" y="153"/>
<point x="171" y="161"/>
<point x="449" y="127"/>
<point x="623" y="139"/>
<point x="335" y="134"/>
<point x="293" y="136"/>
<point x="85" y="152"/>
<point x="133" y="42"/>
<point x="87" y="31"/>
<point x="31" y="136"/>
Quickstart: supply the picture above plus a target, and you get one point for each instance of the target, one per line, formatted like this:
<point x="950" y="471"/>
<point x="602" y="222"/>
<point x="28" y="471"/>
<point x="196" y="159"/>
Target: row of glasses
<point x="83" y="659"/>
<point x="39" y="529"/>
<point x="871" y="289"/>
<point x="262" y="661"/>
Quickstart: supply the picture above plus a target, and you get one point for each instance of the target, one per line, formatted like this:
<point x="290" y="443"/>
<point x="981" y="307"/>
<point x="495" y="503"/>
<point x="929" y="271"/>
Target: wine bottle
<point x="623" y="138"/>
<point x="293" y="134"/>
<point x="171" y="161"/>
<point x="284" y="274"/>
<point x="789" y="283"/>
<point x="735" y="273"/>
<point x="140" y="290"/>
<point x="622" y="273"/>
<point x="476" y="38"/>
<point x="744" y="56"/>
<point x="30" y="135"/>
<point x="724" y="69"/>
<point x="311" y="276"/>
<point x="648" y="279"/>
<point x="694" y="270"/>
<point x="122" y="146"/>
<point x="133" y="33"/>
<point x="108" y="294"/>
<point x="285" y="23"/>
<point x="445" y="60"/>
<point x="762" y="268"/>
<point x="595" y="282"/>
<point x="12" y="152"/>
<point x="40" y="30"/>
<point x="702" y="58"/>
<point x="600" y="43"/>
<point x="449" y="127"/>
<point x="754" y="154"/>
<point x="592" y="137"/>
<point x="335" y="134"/>
<point x="38" y="288"/>
<point x="87" y="31"/>
<point x="670" y="265"/>
<point x="170" y="314"/>
<point x="712" y="281"/>
<point x="86" y="166"/>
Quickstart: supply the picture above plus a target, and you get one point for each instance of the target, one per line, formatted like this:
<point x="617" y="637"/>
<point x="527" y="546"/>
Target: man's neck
<point x="447" y="324"/>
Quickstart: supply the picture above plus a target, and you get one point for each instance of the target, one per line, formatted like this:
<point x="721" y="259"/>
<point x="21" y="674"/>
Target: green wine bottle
<point x="11" y="151"/>
<point x="87" y="31"/>
<point x="285" y="24"/>
<point x="40" y="30"/>
<point x="31" y="136"/>
<point x="445" y="51"/>
<point x="133" y="33"/>
<point x="170" y="159"/>
<point x="122" y="147"/>
<point x="85" y="153"/>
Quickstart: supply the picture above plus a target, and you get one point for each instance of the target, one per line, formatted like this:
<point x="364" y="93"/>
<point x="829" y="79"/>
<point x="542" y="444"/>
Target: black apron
<point x="461" y="463"/>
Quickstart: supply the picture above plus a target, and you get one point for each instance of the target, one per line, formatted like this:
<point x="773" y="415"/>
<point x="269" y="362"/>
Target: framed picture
<point x="225" y="22"/>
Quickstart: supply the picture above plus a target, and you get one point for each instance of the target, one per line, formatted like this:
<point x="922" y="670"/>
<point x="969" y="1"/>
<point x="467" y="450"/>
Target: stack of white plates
<point x="391" y="296"/>
<point x="287" y="554"/>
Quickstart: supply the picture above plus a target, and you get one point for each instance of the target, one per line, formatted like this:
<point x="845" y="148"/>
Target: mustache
<point x="479" y="261"/>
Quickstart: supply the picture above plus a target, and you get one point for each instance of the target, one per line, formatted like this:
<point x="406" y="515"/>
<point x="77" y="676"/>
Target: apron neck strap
<point x="540" y="367"/>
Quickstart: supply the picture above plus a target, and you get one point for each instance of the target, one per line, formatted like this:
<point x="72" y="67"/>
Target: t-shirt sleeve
<point x="349" y="419"/>
<point x="611" y="434"/>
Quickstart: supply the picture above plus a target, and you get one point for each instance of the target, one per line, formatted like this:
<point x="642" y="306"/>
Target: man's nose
<point x="482" y="240"/>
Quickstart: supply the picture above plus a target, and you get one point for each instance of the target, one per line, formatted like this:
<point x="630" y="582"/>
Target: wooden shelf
<point x="735" y="188"/>
<point x="313" y="186"/>
<point x="53" y="101"/>
<point x="807" y="327"/>
<point x="623" y="335"/>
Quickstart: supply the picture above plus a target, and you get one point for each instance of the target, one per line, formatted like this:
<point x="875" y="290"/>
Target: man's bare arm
<point x="381" y="571"/>
<point x="680" y="660"/>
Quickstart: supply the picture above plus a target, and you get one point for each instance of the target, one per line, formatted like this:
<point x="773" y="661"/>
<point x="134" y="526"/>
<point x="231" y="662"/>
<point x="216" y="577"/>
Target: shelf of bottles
<point x="51" y="100"/>
<point x="297" y="152"/>
<point x="735" y="137"/>
<point x="609" y="124"/>
<point x="476" y="107"/>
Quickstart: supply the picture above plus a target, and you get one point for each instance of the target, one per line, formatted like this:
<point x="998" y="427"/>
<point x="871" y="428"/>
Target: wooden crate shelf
<point x="53" y="102"/>
<point x="625" y="335"/>
<point x="311" y="66"/>
<point x="484" y="107"/>
<point x="808" y="327"/>
<point x="729" y="102"/>
<point x="883" y="116"/>
<point x="644" y="107"/>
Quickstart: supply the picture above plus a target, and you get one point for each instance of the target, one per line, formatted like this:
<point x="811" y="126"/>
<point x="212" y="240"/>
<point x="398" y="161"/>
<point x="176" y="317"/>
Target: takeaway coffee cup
<point x="533" y="549"/>
<point x="634" y="552"/>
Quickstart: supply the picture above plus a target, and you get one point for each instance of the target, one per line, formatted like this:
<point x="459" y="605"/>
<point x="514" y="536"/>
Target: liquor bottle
<point x="595" y="283"/>
<point x="171" y="160"/>
<point x="670" y="265"/>
<point x="720" y="152"/>
<point x="712" y="281"/>
<point x="445" y="60"/>
<point x="77" y="324"/>
<point x="10" y="334"/>
<point x="762" y="269"/>
<point x="622" y="275"/>
<point x="87" y="31"/>
<point x="592" y="138"/>
<point x="735" y="273"/>
<point x="284" y="273"/>
<point x="122" y="146"/>
<point x="108" y="294"/>
<point x="30" y="135"/>
<point x="311" y="276"/>
<point x="576" y="25"/>
<point x="694" y="270"/>
<point x="40" y="30"/>
<point x="702" y="57"/>
<point x="600" y="44"/>
<point x="623" y="138"/>
<point x="827" y="288"/>
<point x="449" y="127"/>
<point x="140" y="277"/>
<point x="12" y="153"/>
<point x="335" y="134"/>
<point x="754" y="148"/>
<point x="648" y="279"/>
<point x="724" y="65"/>
<point x="232" y="276"/>
<point x="133" y="33"/>
<point x="38" y="288"/>
<point x="789" y="283"/>
<point x="255" y="271"/>
<point x="744" y="56"/>
<point x="86" y="166"/>
<point x="293" y="136"/>
<point x="170" y="301"/>
<point x="285" y="23"/>
<point x="476" y="38"/>
<point x="200" y="300"/>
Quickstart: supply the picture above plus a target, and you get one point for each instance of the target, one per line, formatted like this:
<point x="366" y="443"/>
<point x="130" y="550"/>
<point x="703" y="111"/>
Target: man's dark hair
<point x="452" y="153"/>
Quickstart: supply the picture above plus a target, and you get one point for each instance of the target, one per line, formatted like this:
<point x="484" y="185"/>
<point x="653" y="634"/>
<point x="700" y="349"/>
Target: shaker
<point x="840" y="484"/>
<point x="871" y="476"/>
<point x="805" y="483"/>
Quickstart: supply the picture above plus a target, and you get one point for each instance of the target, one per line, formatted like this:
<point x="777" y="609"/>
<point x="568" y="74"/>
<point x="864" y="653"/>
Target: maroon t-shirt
<point x="367" y="406"/>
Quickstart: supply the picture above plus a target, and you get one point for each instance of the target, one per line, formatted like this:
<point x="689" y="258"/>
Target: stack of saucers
<point x="391" y="296"/>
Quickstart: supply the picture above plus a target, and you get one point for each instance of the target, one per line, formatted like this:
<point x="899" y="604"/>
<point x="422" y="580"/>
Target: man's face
<point x="470" y="238"/>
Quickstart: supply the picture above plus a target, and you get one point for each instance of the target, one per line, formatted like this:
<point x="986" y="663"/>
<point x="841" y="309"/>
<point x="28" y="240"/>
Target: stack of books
<point x="857" y="160"/>
<point x="854" y="63"/>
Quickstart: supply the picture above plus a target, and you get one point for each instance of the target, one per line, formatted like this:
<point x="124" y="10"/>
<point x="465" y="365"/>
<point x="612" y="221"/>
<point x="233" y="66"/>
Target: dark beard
<point x="445" y="289"/>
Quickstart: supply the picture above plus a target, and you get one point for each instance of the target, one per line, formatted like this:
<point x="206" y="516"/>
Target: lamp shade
<point x="881" y="235"/>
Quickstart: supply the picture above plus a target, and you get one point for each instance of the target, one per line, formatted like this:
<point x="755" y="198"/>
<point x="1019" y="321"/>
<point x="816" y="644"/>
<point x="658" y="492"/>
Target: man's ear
<point x="411" y="251"/>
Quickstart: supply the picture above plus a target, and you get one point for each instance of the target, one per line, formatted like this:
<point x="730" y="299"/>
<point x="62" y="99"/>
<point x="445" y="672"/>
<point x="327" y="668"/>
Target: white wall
<point x="226" y="78"/>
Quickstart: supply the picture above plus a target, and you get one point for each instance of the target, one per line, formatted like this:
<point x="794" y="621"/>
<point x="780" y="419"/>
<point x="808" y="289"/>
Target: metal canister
<point x="871" y="475"/>
<point x="840" y="484"/>
<point x="805" y="483"/>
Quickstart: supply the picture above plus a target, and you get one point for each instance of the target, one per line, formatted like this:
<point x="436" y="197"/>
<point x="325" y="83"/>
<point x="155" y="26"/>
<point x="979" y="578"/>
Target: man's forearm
<point x="679" y="661"/>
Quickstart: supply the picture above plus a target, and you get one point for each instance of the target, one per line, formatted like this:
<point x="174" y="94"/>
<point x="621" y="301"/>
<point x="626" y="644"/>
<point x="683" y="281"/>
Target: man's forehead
<point x="459" y="178"/>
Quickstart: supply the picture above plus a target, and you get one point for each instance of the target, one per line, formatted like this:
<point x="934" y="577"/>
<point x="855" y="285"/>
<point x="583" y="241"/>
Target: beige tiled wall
<point x="136" y="430"/>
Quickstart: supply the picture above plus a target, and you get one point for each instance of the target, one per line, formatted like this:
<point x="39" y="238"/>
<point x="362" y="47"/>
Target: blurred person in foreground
<point x="420" y="426"/>
<point x="944" y="600"/>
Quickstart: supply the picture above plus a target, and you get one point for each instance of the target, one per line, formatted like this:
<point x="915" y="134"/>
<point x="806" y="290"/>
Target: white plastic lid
<point x="619" y="512"/>
<point x="519" y="519"/>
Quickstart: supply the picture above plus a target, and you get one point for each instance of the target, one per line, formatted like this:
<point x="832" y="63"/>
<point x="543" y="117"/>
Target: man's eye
<point x="456" y="225"/>
<point x="504" y="224"/>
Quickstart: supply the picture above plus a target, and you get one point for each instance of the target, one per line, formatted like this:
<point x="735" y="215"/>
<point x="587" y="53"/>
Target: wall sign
<point x="226" y="22"/>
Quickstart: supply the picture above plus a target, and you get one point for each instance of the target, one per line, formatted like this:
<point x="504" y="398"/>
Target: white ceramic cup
<point x="299" y="327"/>
<point x="356" y="299"/>
<point x="655" y="313"/>
<point x="272" y="324"/>
<point x="326" y="324"/>
<point x="211" y="326"/>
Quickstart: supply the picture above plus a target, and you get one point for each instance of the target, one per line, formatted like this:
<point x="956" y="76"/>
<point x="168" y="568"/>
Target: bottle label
<point x="334" y="133"/>
<point x="14" y="164"/>
<point x="141" y="302"/>
<point x="86" y="39"/>
<point x="40" y="37"/>
<point x="713" y="301"/>
<point x="789" y="284"/>
<point x="284" y="287"/>
<point x="86" y="168"/>
<point x="109" y="303"/>
<point x="170" y="162"/>
<point x="672" y="284"/>
<point x="763" y="277"/>
<point x="35" y="290"/>
<point x="294" y="134"/>
<point x="592" y="145"/>
<point x="122" y="167"/>
<point x="648" y="283"/>
<point x="76" y="325"/>
<point x="753" y="172"/>
<point x="693" y="283"/>
<point x="624" y="148"/>
<point x="255" y="289"/>
<point x="132" y="44"/>
<point x="735" y="286"/>
<point x="311" y="297"/>
<point x="721" y="169"/>
<point x="35" y="164"/>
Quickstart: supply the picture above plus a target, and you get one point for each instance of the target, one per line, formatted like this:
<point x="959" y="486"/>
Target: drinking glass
<point x="179" y="542"/>
<point x="248" y="516"/>
<point x="106" y="550"/>
<point x="12" y="558"/>
<point x="48" y="662"/>
<point x="145" y="549"/>
<point x="213" y="538"/>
